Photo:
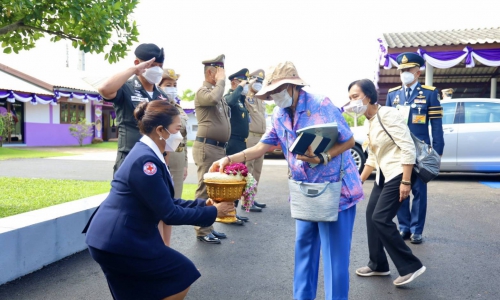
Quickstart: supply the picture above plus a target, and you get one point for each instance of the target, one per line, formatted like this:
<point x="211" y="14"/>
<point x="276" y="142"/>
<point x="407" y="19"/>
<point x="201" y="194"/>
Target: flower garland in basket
<point x="249" y="191"/>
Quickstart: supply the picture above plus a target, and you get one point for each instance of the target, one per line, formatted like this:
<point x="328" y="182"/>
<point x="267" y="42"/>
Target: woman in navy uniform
<point x="123" y="235"/>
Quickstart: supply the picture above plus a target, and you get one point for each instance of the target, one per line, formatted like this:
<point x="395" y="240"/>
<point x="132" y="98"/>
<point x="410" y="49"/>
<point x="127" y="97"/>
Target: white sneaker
<point x="402" y="280"/>
<point x="366" y="272"/>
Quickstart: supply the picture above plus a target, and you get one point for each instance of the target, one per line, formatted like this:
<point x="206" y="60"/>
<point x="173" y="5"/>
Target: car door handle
<point x="448" y="129"/>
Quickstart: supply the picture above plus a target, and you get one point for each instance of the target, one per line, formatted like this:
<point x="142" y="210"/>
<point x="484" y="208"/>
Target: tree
<point x="188" y="95"/>
<point x="89" y="24"/>
<point x="6" y="126"/>
<point x="81" y="130"/>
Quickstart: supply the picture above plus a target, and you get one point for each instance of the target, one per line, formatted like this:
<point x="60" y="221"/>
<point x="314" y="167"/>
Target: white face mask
<point x="357" y="107"/>
<point x="257" y="86"/>
<point x="245" y="90"/>
<point x="173" y="141"/>
<point x="153" y="75"/>
<point x="171" y="92"/>
<point x="407" y="77"/>
<point x="282" y="99"/>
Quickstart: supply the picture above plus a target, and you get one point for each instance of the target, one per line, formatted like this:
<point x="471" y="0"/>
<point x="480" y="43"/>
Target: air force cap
<point x="409" y="60"/>
<point x="241" y="75"/>
<point x="148" y="51"/>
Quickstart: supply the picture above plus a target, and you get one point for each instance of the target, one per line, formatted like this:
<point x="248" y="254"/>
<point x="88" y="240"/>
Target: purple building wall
<point x="42" y="134"/>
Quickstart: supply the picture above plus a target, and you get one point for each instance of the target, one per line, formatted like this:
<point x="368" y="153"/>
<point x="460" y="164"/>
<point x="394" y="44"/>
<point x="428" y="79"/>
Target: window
<point x="482" y="112"/>
<point x="449" y="110"/>
<point x="72" y="112"/>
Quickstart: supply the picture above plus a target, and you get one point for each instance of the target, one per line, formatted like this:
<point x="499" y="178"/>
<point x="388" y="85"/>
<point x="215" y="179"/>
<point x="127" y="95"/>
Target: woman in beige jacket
<point x="392" y="153"/>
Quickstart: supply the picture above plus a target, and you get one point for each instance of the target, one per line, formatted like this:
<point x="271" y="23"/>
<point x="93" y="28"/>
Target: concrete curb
<point x="32" y="240"/>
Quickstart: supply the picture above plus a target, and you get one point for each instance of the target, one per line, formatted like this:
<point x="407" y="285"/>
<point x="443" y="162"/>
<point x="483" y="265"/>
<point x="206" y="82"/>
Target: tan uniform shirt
<point x="212" y="112"/>
<point x="184" y="123"/>
<point x="257" y="111"/>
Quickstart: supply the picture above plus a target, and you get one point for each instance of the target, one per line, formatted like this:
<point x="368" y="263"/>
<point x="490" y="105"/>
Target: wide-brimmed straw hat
<point x="278" y="75"/>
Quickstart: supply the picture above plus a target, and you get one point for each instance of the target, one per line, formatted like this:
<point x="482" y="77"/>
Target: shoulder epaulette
<point x="395" y="89"/>
<point x="428" y="87"/>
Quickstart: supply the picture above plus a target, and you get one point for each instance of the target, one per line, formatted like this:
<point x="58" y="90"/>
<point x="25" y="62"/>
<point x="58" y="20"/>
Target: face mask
<point x="357" y="107"/>
<point x="153" y="75"/>
<point x="173" y="141"/>
<point x="245" y="90"/>
<point x="171" y="92"/>
<point x="282" y="99"/>
<point x="257" y="86"/>
<point x="407" y="77"/>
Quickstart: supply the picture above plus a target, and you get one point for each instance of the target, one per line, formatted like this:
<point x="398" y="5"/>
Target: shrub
<point x="81" y="130"/>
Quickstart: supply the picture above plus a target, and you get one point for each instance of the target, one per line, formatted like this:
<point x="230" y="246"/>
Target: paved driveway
<point x="461" y="248"/>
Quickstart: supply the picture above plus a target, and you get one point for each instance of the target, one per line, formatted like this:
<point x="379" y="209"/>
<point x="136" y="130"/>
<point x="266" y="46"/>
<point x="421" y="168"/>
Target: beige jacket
<point x="212" y="112"/>
<point x="383" y="154"/>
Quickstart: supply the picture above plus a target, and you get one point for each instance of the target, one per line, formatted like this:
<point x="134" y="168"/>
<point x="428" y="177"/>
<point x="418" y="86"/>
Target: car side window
<point x="449" y="110"/>
<point x="482" y="112"/>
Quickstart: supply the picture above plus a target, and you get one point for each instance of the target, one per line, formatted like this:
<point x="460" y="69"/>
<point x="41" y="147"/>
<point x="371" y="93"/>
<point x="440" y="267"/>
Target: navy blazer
<point x="429" y="106"/>
<point x="126" y="223"/>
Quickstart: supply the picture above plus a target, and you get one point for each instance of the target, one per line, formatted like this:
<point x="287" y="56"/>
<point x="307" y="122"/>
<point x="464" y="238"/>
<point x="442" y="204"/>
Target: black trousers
<point x="383" y="232"/>
<point x="120" y="157"/>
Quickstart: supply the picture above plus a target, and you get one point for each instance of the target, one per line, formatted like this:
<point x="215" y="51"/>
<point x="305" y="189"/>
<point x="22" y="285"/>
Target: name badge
<point x="137" y="98"/>
<point x="420" y="101"/>
<point x="418" y="119"/>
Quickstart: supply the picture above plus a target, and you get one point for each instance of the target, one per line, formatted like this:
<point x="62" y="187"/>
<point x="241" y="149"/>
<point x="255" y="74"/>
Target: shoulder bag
<point x="428" y="161"/>
<point x="315" y="202"/>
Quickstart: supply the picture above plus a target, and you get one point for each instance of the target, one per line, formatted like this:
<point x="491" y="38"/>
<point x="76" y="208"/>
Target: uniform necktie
<point x="408" y="93"/>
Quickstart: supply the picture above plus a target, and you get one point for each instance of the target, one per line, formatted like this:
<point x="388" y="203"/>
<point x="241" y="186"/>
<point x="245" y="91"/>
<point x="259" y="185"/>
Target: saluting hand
<point x="243" y="83"/>
<point x="141" y="68"/>
<point x="220" y="75"/>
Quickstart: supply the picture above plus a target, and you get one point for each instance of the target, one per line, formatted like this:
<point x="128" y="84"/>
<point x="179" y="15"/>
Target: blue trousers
<point x="334" y="241"/>
<point x="414" y="220"/>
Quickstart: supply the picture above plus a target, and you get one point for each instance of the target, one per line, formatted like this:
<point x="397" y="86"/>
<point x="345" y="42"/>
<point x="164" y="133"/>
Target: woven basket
<point x="225" y="191"/>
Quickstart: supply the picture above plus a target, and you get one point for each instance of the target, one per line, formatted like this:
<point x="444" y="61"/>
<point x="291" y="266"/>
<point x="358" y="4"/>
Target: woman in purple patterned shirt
<point x="298" y="109"/>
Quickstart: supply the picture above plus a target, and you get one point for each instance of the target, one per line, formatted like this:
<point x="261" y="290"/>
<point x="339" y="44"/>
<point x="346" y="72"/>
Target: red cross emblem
<point x="149" y="168"/>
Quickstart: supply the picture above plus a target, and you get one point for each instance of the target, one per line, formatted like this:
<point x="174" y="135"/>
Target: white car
<point x="471" y="129"/>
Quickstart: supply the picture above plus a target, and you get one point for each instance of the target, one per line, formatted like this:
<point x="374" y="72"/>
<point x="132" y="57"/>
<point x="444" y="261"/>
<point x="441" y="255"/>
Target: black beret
<point x="148" y="51"/>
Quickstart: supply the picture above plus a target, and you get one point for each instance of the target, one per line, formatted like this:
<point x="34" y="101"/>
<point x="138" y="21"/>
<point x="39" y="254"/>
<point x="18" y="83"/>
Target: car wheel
<point x="359" y="157"/>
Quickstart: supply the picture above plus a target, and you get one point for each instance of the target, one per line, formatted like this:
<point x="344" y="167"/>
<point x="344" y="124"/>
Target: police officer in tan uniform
<point x="177" y="161"/>
<point x="257" y="111"/>
<point x="214" y="130"/>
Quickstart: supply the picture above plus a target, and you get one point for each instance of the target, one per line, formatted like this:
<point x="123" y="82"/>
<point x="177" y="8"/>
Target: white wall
<point x="39" y="113"/>
<point x="192" y="122"/>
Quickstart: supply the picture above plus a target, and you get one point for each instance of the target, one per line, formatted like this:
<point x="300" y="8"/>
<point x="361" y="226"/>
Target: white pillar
<point x="429" y="74"/>
<point x="493" y="93"/>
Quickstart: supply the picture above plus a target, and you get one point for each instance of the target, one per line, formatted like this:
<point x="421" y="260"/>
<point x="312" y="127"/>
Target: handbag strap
<point x="383" y="127"/>
<point x="341" y="171"/>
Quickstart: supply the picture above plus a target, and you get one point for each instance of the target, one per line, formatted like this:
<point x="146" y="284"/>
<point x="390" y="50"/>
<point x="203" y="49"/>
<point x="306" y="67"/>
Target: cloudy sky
<point x="330" y="42"/>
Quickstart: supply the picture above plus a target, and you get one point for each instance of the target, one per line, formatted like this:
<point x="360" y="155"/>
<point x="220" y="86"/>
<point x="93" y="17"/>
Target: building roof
<point x="10" y="82"/>
<point x="442" y="38"/>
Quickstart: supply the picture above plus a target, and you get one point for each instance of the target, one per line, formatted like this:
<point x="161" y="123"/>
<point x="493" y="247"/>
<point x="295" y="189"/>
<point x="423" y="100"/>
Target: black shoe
<point x="261" y="205"/>
<point x="416" y="238"/>
<point x="244" y="219"/>
<point x="237" y="222"/>
<point x="253" y="208"/>
<point x="209" y="239"/>
<point x="219" y="235"/>
<point x="405" y="234"/>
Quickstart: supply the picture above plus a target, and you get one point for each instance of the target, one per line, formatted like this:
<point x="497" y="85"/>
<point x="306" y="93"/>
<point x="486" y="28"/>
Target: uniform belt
<point x="238" y="138"/>
<point x="256" y="134"/>
<point x="211" y="142"/>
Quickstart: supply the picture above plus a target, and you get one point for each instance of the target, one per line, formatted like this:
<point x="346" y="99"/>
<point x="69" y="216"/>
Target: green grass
<point x="188" y="191"/>
<point x="10" y="153"/>
<point x="24" y="194"/>
<point x="103" y="145"/>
